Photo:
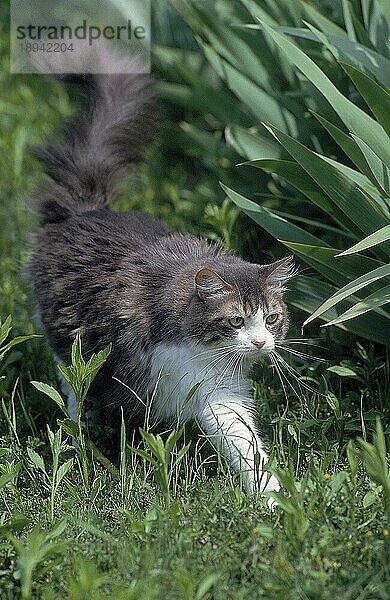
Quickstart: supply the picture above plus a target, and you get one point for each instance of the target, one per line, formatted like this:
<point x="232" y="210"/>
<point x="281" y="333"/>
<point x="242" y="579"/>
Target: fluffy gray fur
<point x="123" y="278"/>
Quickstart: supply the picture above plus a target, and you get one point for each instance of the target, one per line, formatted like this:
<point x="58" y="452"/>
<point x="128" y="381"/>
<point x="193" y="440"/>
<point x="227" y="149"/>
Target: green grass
<point x="182" y="528"/>
<point x="175" y="522"/>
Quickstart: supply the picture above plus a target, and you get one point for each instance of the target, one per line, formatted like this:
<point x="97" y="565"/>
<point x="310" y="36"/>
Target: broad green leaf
<point x="323" y="260"/>
<point x="370" y="191"/>
<point x="275" y="225"/>
<point x="347" y="143"/>
<point x="370" y="498"/>
<point x="251" y="144"/>
<point x="18" y="340"/>
<point x="361" y="33"/>
<point x="301" y="180"/>
<point x="176" y="434"/>
<point x="205" y="585"/>
<point x="297" y="177"/>
<point x="307" y="293"/>
<point x="17" y="522"/>
<point x="351" y="288"/>
<point x="155" y="443"/>
<point x="371" y="302"/>
<point x="316" y="224"/>
<point x="356" y="120"/>
<point x="348" y="20"/>
<point x="52" y="393"/>
<point x="63" y="470"/>
<point x="342" y="371"/>
<point x="232" y="48"/>
<point x="257" y="11"/>
<point x="378" y="169"/>
<point x="385" y="9"/>
<point x="375" y="459"/>
<point x="5" y="328"/>
<point x="145" y="456"/>
<point x="36" y="459"/>
<point x="70" y="427"/>
<point x="344" y="50"/>
<point x="376" y="96"/>
<point x="377" y="25"/>
<point x="322" y="22"/>
<point x="96" y="362"/>
<point x="378" y="237"/>
<point x="77" y="358"/>
<point x="343" y="191"/>
<point x="258" y="101"/>
<point x="8" y="477"/>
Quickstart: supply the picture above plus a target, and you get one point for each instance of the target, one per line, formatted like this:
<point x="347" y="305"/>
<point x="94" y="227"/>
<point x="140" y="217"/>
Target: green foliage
<point x="5" y="329"/>
<point x="172" y="529"/>
<point x="159" y="526"/>
<point x="375" y="460"/>
<point x="79" y="375"/>
<point x="38" y="548"/>
<point x="162" y="458"/>
<point x="314" y="84"/>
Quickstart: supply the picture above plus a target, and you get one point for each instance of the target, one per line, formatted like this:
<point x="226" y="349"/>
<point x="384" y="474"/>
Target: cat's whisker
<point x="278" y="372"/>
<point x="212" y="352"/>
<point x="299" y="353"/>
<point x="229" y="364"/>
<point x="282" y="375"/>
<point x="303" y="342"/>
<point x="235" y="367"/>
<point x="221" y="374"/>
<point x="211" y="365"/>
<point x="213" y="356"/>
<point x="295" y="374"/>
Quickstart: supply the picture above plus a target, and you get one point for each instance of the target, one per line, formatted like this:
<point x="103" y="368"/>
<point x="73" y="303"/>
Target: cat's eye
<point x="271" y="319"/>
<point x="236" y="321"/>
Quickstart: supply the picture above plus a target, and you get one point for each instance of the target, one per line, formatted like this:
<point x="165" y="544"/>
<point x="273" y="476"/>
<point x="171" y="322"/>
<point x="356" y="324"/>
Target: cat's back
<point x="100" y="236"/>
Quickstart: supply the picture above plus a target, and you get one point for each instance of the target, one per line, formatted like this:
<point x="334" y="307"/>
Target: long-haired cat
<point x="179" y="311"/>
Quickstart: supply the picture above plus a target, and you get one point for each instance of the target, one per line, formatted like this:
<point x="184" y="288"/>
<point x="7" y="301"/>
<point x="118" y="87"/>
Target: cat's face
<point x="241" y="308"/>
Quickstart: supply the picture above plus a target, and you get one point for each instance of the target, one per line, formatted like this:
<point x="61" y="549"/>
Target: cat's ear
<point x="277" y="274"/>
<point x="209" y="283"/>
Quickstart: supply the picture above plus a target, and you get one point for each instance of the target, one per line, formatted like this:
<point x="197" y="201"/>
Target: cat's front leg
<point x="231" y="428"/>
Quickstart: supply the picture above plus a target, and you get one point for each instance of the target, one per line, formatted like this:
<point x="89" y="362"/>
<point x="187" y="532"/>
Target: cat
<point x="182" y="314"/>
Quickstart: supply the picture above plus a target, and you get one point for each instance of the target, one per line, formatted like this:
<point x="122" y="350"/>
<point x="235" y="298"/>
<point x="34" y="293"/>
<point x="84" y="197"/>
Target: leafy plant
<point x="5" y="328"/>
<point x="79" y="375"/>
<point x="315" y="89"/>
<point x="163" y="458"/>
<point x="375" y="460"/>
<point x="39" y="548"/>
<point x="58" y="471"/>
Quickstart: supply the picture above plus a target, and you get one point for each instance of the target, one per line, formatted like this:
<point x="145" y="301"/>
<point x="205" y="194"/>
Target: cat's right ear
<point x="209" y="283"/>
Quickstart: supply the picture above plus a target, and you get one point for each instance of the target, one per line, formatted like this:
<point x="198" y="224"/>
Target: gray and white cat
<point x="179" y="311"/>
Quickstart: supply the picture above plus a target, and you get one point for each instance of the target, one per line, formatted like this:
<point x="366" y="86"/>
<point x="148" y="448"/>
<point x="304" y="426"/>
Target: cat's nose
<point x="258" y="344"/>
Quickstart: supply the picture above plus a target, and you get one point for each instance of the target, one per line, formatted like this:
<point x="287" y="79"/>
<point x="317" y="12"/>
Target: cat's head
<point x="239" y="306"/>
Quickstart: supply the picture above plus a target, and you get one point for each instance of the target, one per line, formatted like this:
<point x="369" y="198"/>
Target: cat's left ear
<point x="278" y="273"/>
<point x="209" y="283"/>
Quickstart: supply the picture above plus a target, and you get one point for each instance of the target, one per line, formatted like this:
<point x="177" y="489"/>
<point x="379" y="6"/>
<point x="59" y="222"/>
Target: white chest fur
<point x="177" y="368"/>
<point x="221" y="405"/>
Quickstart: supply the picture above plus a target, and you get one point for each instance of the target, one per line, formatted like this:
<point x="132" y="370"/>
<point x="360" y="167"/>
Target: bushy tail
<point x="90" y="158"/>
